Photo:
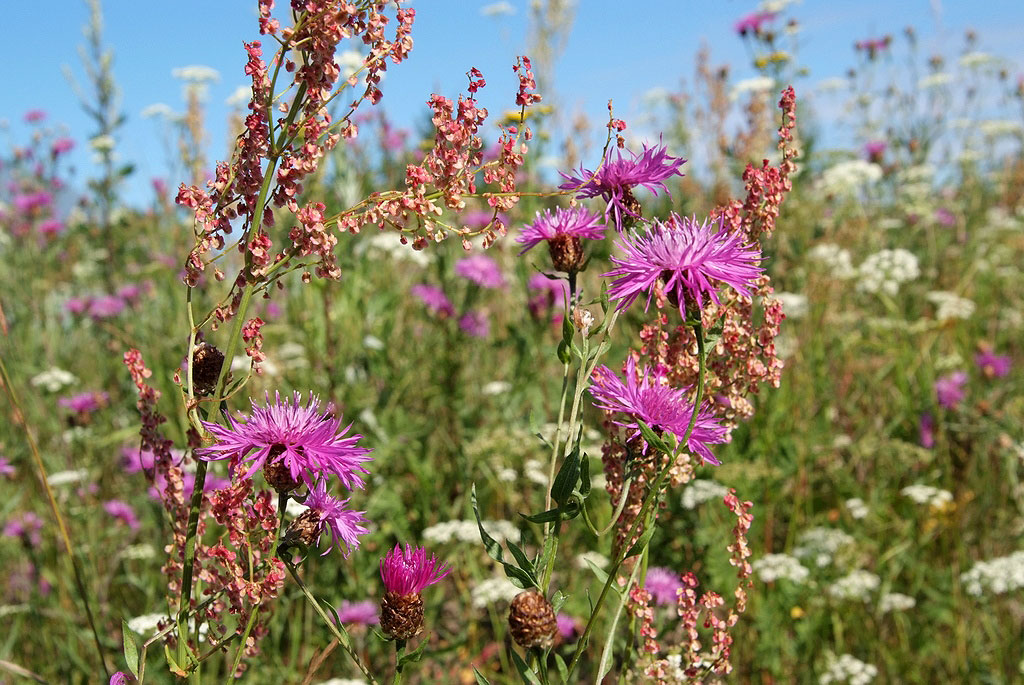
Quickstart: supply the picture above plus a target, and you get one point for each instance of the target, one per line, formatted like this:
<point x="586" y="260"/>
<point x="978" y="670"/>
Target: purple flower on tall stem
<point x="409" y="571"/>
<point x="6" y="469"/>
<point x="434" y="299"/>
<point x="84" y="402"/>
<point x="475" y="324"/>
<point x="568" y="627"/>
<point x="358" y="613"/>
<point x="615" y="179"/>
<point x="330" y="514"/>
<point x="927" y="430"/>
<point x="480" y="269"/>
<point x="662" y="583"/>
<point x="658" y="405"/>
<point x="302" y="439"/>
<point x="752" y="23"/>
<point x="950" y="389"/>
<point x="688" y="258"/>
<point x="123" y="512"/>
<point x="992" y="365"/>
<point x="564" y="231"/>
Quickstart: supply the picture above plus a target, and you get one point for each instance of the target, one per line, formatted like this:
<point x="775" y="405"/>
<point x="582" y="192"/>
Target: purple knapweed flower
<point x="25" y="526"/>
<point x="84" y="402"/>
<point x="658" y="405"/>
<point x="358" y="613"/>
<point x="549" y="292"/>
<point x="926" y="427"/>
<point x="120" y="678"/>
<point x="568" y="627"/>
<point x="688" y="258"/>
<point x="310" y="443"/>
<point x="476" y="219"/>
<point x="950" y="389"/>
<point x="123" y="512"/>
<point x="564" y="231"/>
<point x="345" y="524"/>
<point x="615" y="179"/>
<point x="6" y="469"/>
<point x="480" y="269"/>
<point x="77" y="305"/>
<point x="434" y="299"/>
<point x="408" y="572"/>
<point x="752" y="23"/>
<point x="662" y="583"/>
<point x="50" y="227"/>
<point x="61" y="146"/>
<point x="35" y="115"/>
<point x="992" y="365"/>
<point x="875" y="149"/>
<point x="106" y="306"/>
<point x="944" y="217"/>
<point x="475" y="324"/>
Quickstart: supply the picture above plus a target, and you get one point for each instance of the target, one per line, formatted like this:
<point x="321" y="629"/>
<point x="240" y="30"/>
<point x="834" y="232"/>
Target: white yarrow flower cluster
<point x="757" y="84"/>
<point x="821" y="544"/>
<point x="936" y="80"/>
<point x="976" y="59"/>
<point x="998" y="128"/>
<point x="700" y="490"/>
<point x="950" y="306"/>
<point x="596" y="558"/>
<point x="67" y="477"/>
<point x="857" y="585"/>
<point x="857" y="508"/>
<point x="836" y="259"/>
<point x="926" y="494"/>
<point x="54" y="379"/>
<point x="995" y="576"/>
<point x="895" y="601"/>
<point x="772" y="567"/>
<point x="534" y="470"/>
<point x="391" y="245"/>
<point x="196" y="73"/>
<point x="493" y="590"/>
<point x="850" y="177"/>
<point x="848" y="669"/>
<point x="885" y="270"/>
<point x="467" y="531"/>
<point x="794" y="305"/>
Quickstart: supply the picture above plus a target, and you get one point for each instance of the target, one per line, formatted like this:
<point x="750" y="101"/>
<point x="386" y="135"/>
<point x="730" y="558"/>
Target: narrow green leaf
<point x="563" y="352"/>
<point x="415" y="655"/>
<point x="558" y="600"/>
<point x="543" y="517"/>
<point x="602" y="577"/>
<point x="585" y="476"/>
<point x="652" y="438"/>
<point x="131" y="648"/>
<point x="566" y="479"/>
<point x="563" y="670"/>
<point x="480" y="679"/>
<point x="639" y="545"/>
<point x="520" y="578"/>
<point x="567" y="330"/>
<point x="524" y="561"/>
<point x="525" y="673"/>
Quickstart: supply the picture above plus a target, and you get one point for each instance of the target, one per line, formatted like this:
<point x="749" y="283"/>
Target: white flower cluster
<point x="895" y="601"/>
<point x="534" y="470"/>
<point x="836" y="259"/>
<point x="700" y="490"/>
<point x="467" y="531"/>
<point x="885" y="270"/>
<point x="343" y="681"/>
<point x="849" y="177"/>
<point x="936" y="80"/>
<point x="821" y="544"/>
<point x="857" y="584"/>
<point x="833" y="84"/>
<point x="996" y="576"/>
<point x="54" y="380"/>
<point x="950" y="306"/>
<point x="390" y="244"/>
<point x="772" y="567"/>
<point x="67" y="477"/>
<point x="493" y="590"/>
<point x="794" y="305"/>
<point x="926" y="494"/>
<point x="998" y="128"/>
<point x="757" y="84"/>
<point x="976" y="59"/>
<point x="848" y="669"/>
<point x="596" y="558"/>
<point x="196" y="73"/>
<point x="138" y="552"/>
<point x="857" y="508"/>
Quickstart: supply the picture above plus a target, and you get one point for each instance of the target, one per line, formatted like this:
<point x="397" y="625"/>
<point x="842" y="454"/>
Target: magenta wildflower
<point x="50" y="227"/>
<point x="662" y="583"/>
<point x="550" y="291"/>
<point x="568" y="627"/>
<point x="564" y="231"/>
<point x="992" y="365"/>
<point x="480" y="269"/>
<point x="434" y="299"/>
<point x="875" y="150"/>
<point x="659" y="406"/>
<point x="308" y="442"/>
<point x="120" y="678"/>
<point x="408" y="572"/>
<point x="6" y="469"/>
<point x="475" y="324"/>
<point x="35" y="115"/>
<point x="479" y="218"/>
<point x="616" y="178"/>
<point x="77" y="305"/>
<point x="123" y="512"/>
<point x="358" y="613"/>
<point x="926" y="427"/>
<point x="688" y="258"/>
<point x="61" y="146"/>
<point x="106" y="306"/>
<point x="944" y="217"/>
<point x="752" y="23"/>
<point x="345" y="525"/>
<point x="950" y="389"/>
<point x="25" y="526"/>
<point x="84" y="402"/>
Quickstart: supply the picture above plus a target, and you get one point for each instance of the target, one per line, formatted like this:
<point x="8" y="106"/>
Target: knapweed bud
<point x="405" y="575"/>
<point x="564" y="231"/>
<point x="277" y="474"/>
<point x="566" y="252"/>
<point x="531" y="620"/>
<point x="207" y="361"/>
<point x="305" y="529"/>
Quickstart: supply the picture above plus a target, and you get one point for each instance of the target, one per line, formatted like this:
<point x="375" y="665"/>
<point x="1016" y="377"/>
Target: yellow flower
<point x="796" y="613"/>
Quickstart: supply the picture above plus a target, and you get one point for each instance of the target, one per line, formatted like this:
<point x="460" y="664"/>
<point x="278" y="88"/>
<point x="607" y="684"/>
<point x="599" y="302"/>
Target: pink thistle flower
<point x="26" y="526"/>
<point x="992" y="365"/>
<point x="77" y="305"/>
<point x="123" y="512"/>
<point x="659" y="406"/>
<point x="106" y="307"/>
<point x="6" y="469"/>
<point x="475" y="324"/>
<point x="310" y="443"/>
<point x="434" y="299"/>
<point x="616" y="178"/>
<point x="564" y="231"/>
<point x="50" y="227"/>
<point x="358" y="613"/>
<point x="61" y="146"/>
<point x="950" y="389"/>
<point x="688" y="258"/>
<point x="84" y="402"/>
<point x="344" y="524"/>
<point x="753" y="23"/>
<point x="35" y="115"/>
<point x="408" y="572"/>
<point x="480" y="269"/>
<point x="568" y="627"/>
<point x="663" y="583"/>
<point x="927" y="430"/>
<point x="120" y="678"/>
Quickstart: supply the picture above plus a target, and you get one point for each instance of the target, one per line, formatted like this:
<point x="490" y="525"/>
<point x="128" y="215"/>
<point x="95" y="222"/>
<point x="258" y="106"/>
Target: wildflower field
<point x="724" y="390"/>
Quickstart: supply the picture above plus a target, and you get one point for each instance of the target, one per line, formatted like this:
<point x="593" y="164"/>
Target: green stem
<point x="399" y="666"/>
<point x="649" y="500"/>
<point x="241" y="646"/>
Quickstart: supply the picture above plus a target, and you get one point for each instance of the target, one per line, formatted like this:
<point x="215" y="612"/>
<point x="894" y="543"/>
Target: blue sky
<point x="610" y="53"/>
